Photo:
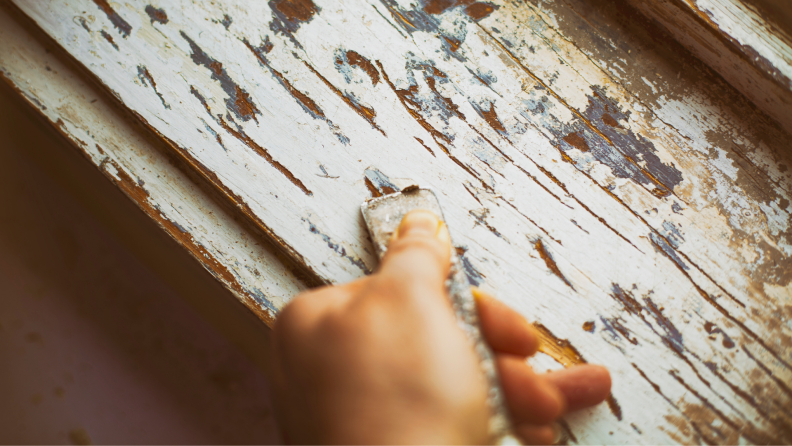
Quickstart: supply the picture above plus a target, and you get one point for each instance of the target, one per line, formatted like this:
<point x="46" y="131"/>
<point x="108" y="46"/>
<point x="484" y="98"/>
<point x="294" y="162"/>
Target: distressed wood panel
<point x="750" y="52"/>
<point x="643" y="230"/>
<point x="777" y="12"/>
<point x="83" y="115"/>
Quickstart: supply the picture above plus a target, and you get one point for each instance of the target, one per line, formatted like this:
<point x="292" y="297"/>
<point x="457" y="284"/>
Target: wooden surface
<point x="595" y="175"/>
<point x="778" y="12"/>
<point x="751" y="50"/>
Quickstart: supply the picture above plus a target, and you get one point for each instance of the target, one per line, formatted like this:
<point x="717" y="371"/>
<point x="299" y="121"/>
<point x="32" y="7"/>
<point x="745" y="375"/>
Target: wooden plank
<point x="651" y="230"/>
<point x="107" y="138"/>
<point x="748" y="50"/>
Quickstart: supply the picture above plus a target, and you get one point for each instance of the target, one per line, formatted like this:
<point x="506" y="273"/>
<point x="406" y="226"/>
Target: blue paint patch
<point x="672" y="338"/>
<point x="660" y="244"/>
<point x="671" y="233"/>
<point x="380" y="181"/>
<point x="617" y="331"/>
<point x="600" y="135"/>
<point x="262" y="299"/>
<point x="603" y="113"/>
<point x="473" y="275"/>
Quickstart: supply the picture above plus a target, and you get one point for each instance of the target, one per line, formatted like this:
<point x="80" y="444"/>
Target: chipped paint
<point x="238" y="101"/>
<point x="157" y="15"/>
<point x="145" y="77"/>
<point x="551" y="264"/>
<point x="249" y="142"/>
<point x="119" y="23"/>
<point x="109" y="38"/>
<point x="378" y="183"/>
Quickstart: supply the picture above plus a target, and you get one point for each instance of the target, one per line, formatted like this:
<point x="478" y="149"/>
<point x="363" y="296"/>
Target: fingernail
<point x="421" y="223"/>
<point x="559" y="435"/>
<point x="478" y="294"/>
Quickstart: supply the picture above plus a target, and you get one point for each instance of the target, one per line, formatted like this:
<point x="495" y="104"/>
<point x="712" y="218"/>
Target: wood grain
<point x="606" y="185"/>
<point x="744" y="46"/>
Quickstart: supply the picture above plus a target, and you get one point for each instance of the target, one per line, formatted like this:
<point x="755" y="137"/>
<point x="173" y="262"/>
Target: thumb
<point x="419" y="253"/>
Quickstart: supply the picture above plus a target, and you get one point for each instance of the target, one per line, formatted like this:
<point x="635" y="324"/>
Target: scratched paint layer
<point x="623" y="222"/>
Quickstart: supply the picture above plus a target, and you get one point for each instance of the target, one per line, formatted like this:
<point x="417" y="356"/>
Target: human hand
<point x="382" y="360"/>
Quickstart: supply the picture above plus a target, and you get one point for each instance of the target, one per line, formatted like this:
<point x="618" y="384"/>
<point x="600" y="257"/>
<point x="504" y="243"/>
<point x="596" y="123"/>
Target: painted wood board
<point x="84" y="116"/>
<point x="623" y="222"/>
<point x="741" y="44"/>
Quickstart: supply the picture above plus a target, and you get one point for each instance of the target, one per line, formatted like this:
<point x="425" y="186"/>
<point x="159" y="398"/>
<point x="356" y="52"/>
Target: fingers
<point x="531" y="398"/>
<point x="510" y="335"/>
<point x="535" y="401"/>
<point x="540" y="399"/>
<point x="582" y="386"/>
<point x="419" y="253"/>
<point x="530" y="434"/>
<point x="506" y="330"/>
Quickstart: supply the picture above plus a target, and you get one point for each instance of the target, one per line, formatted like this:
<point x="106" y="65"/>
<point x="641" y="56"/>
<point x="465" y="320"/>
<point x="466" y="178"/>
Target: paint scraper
<point x="382" y="216"/>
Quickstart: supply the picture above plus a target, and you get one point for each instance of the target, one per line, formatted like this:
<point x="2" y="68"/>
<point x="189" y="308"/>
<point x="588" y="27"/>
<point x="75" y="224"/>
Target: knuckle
<point x="299" y="314"/>
<point x="312" y="314"/>
<point x="290" y="315"/>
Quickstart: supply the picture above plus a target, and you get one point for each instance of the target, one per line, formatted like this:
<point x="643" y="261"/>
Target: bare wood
<point x="642" y="228"/>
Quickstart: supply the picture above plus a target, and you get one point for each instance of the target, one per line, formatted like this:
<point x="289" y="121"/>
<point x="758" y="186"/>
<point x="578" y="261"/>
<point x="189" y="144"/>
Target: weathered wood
<point x="83" y="115"/>
<point x="625" y="201"/>
<point x="777" y="12"/>
<point x="748" y="50"/>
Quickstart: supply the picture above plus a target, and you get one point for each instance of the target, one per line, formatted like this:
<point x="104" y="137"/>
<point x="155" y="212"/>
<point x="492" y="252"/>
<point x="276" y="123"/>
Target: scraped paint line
<point x="119" y="23"/>
<point x="250" y="143"/>
<point x="550" y="262"/>
<point x="365" y="112"/>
